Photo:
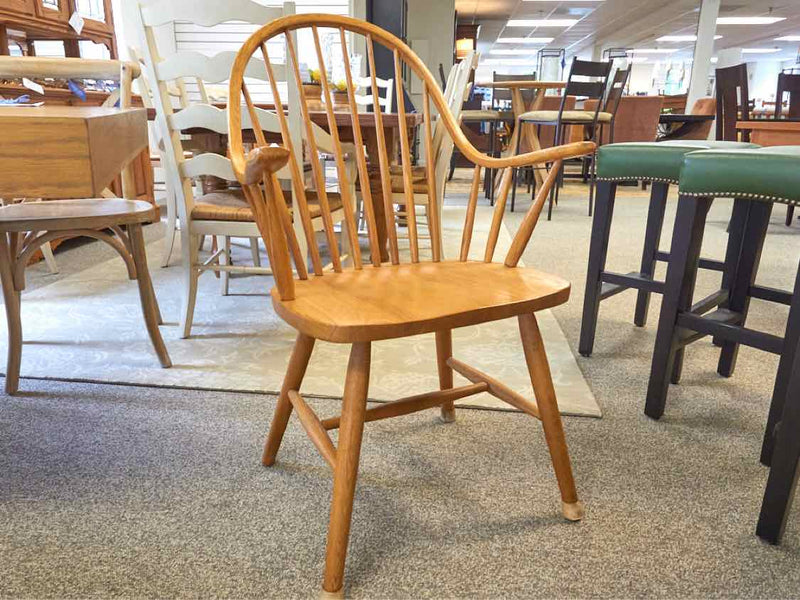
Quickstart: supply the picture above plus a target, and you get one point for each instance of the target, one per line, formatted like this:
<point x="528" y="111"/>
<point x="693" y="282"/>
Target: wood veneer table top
<point x="521" y="84"/>
<point x="792" y="125"/>
<point x="66" y="151"/>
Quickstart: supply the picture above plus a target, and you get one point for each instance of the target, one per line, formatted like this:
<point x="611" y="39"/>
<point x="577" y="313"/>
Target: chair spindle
<point x="469" y="220"/>
<point x="433" y="210"/>
<point x="405" y="151"/>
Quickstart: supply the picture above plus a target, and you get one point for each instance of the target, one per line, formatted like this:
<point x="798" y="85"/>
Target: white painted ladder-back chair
<point x="373" y="301"/>
<point x="222" y="213"/>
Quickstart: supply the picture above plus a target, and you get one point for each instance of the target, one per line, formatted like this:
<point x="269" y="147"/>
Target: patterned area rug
<point x="89" y="327"/>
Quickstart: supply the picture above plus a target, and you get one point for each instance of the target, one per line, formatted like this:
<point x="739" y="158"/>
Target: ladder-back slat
<point x="361" y="159"/>
<point x="469" y="220"/>
<point x="316" y="168"/>
<point x="297" y="173"/>
<point x="405" y="152"/>
<point x="434" y="208"/>
<point x="344" y="183"/>
<point x="383" y="160"/>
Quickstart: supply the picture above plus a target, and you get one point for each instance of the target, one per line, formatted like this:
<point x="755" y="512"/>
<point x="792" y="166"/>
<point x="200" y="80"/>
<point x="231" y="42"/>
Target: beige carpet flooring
<point x="88" y="327"/>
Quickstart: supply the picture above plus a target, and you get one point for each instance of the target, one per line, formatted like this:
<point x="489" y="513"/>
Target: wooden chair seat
<point x="409" y="299"/>
<point x="419" y="179"/>
<point x="231" y="205"/>
<point x="60" y="215"/>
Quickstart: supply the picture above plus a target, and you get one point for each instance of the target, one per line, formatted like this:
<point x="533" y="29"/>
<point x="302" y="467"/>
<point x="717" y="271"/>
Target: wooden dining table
<point x="210" y="141"/>
<point x="530" y="141"/>
<point x="772" y="132"/>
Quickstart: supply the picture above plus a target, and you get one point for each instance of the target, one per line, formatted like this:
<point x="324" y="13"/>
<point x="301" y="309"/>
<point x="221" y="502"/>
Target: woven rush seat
<point x="568" y="116"/>
<point x="231" y="205"/>
<point x="769" y="174"/>
<point x="653" y="161"/>
<point x="419" y="179"/>
<point x="481" y="115"/>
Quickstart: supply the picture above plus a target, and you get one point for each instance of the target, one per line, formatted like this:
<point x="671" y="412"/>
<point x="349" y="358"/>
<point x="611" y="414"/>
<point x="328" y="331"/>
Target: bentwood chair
<point x="224" y="213"/>
<point x="587" y="80"/>
<point x="373" y="301"/>
<point x="26" y="227"/>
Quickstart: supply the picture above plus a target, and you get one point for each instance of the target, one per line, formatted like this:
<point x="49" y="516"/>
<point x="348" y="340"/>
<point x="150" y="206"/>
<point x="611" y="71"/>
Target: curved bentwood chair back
<point x="372" y="300"/>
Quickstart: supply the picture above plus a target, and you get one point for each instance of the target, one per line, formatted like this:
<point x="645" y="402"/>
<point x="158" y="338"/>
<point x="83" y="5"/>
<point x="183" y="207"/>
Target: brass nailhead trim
<point x="742" y="195"/>
<point x="634" y="178"/>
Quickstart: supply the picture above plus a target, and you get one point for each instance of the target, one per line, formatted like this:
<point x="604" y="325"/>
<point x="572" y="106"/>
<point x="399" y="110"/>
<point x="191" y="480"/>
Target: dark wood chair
<point x="788" y="83"/>
<point x="733" y="102"/>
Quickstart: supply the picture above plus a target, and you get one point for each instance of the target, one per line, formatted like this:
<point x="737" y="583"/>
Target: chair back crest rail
<point x="256" y="170"/>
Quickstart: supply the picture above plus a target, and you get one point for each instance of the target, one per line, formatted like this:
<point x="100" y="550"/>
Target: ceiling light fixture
<point x="652" y="50"/>
<point x="749" y="20"/>
<point x="682" y="38"/>
<point x="524" y="40"/>
<point x="760" y="50"/>
<point x="511" y="62"/>
<point x="520" y="52"/>
<point x="541" y="22"/>
<point x="788" y="38"/>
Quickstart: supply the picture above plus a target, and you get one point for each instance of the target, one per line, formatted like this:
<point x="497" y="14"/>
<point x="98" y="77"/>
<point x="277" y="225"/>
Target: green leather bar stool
<point x="756" y="179"/>
<point x="659" y="163"/>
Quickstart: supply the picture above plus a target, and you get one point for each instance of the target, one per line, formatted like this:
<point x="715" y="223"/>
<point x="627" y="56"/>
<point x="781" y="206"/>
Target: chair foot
<point x="573" y="511"/>
<point x="448" y="415"/>
<point x="326" y="595"/>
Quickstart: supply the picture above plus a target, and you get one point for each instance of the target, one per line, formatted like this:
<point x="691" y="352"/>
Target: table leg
<point x="529" y="133"/>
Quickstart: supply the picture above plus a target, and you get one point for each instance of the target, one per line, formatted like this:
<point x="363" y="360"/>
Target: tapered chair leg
<point x="147" y="296"/>
<point x="11" y="298"/>
<point x="542" y="382"/>
<point x="745" y="274"/>
<point x="598" y="250"/>
<point x="189" y="251"/>
<point x="170" y="224"/>
<point x="687" y="239"/>
<point x="354" y="404"/>
<point x="444" y="351"/>
<point x="298" y="362"/>
<point x="652" y="236"/>
<point x="787" y="382"/>
<point x="225" y="259"/>
<point x="254" y="252"/>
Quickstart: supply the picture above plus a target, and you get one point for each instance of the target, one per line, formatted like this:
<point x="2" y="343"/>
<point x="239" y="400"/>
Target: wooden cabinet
<point x="57" y="10"/>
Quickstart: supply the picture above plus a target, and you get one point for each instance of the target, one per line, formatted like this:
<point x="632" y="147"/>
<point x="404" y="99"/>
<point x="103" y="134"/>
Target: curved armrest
<point x="266" y="159"/>
<point x="555" y="153"/>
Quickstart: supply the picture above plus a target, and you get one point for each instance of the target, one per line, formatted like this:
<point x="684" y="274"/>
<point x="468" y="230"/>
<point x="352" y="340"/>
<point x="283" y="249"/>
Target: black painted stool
<point x="659" y="163"/>
<point x="756" y="179"/>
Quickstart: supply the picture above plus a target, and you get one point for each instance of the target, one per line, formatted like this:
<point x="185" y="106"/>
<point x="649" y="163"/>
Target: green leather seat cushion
<point x="771" y="174"/>
<point x="652" y="161"/>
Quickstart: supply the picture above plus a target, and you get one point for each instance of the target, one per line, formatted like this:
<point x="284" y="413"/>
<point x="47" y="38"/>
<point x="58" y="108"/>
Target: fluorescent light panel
<point x="682" y="38"/>
<point x="652" y="50"/>
<point x="519" y="52"/>
<point x="511" y="62"/>
<point x="541" y="22"/>
<point x="524" y="40"/>
<point x="760" y="50"/>
<point x="749" y="20"/>
<point x="788" y="38"/>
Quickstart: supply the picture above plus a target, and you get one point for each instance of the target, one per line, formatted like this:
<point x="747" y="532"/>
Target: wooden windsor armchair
<point x="373" y="301"/>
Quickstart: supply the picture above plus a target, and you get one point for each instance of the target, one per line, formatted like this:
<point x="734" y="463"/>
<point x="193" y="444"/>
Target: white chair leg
<point x="47" y="252"/>
<point x="224" y="241"/>
<point x="254" y="251"/>
<point x="189" y="254"/>
<point x="171" y="225"/>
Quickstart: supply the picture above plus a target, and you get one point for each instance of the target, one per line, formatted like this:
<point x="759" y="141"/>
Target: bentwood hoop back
<point x="365" y="300"/>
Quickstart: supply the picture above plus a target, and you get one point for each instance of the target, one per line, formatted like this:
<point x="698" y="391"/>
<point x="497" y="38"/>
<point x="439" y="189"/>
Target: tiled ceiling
<point x="631" y="24"/>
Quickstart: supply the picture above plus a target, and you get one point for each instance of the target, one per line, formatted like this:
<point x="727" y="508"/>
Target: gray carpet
<point x="140" y="492"/>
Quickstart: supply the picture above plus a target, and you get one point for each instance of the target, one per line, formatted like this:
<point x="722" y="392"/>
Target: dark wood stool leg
<point x="687" y="238"/>
<point x="736" y="228"/>
<point x="652" y="236"/>
<point x="789" y="215"/>
<point x="744" y="276"/>
<point x="781" y="393"/>
<point x="598" y="251"/>
<point x="785" y="471"/>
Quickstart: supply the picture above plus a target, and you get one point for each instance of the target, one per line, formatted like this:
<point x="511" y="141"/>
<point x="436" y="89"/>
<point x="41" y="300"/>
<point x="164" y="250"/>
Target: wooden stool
<point x="25" y="227"/>
<point x="659" y="163"/>
<point x="756" y="179"/>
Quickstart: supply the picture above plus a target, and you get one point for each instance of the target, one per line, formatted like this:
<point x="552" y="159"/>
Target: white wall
<point x="431" y="36"/>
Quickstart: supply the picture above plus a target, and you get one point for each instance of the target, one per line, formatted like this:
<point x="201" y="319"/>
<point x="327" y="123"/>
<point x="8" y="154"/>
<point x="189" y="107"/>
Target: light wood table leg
<point x="354" y="405"/>
<point x="536" y="358"/>
<point x="150" y="309"/>
<point x="12" y="301"/>
<point x="529" y="131"/>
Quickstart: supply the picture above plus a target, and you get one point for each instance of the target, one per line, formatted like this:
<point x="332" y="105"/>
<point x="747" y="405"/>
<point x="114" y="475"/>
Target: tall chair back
<point x="587" y="80"/>
<point x="256" y="169"/>
<point x="615" y="93"/>
<point x="365" y="98"/>
<point x="733" y="102"/>
<point x="504" y="95"/>
<point x="788" y="83"/>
